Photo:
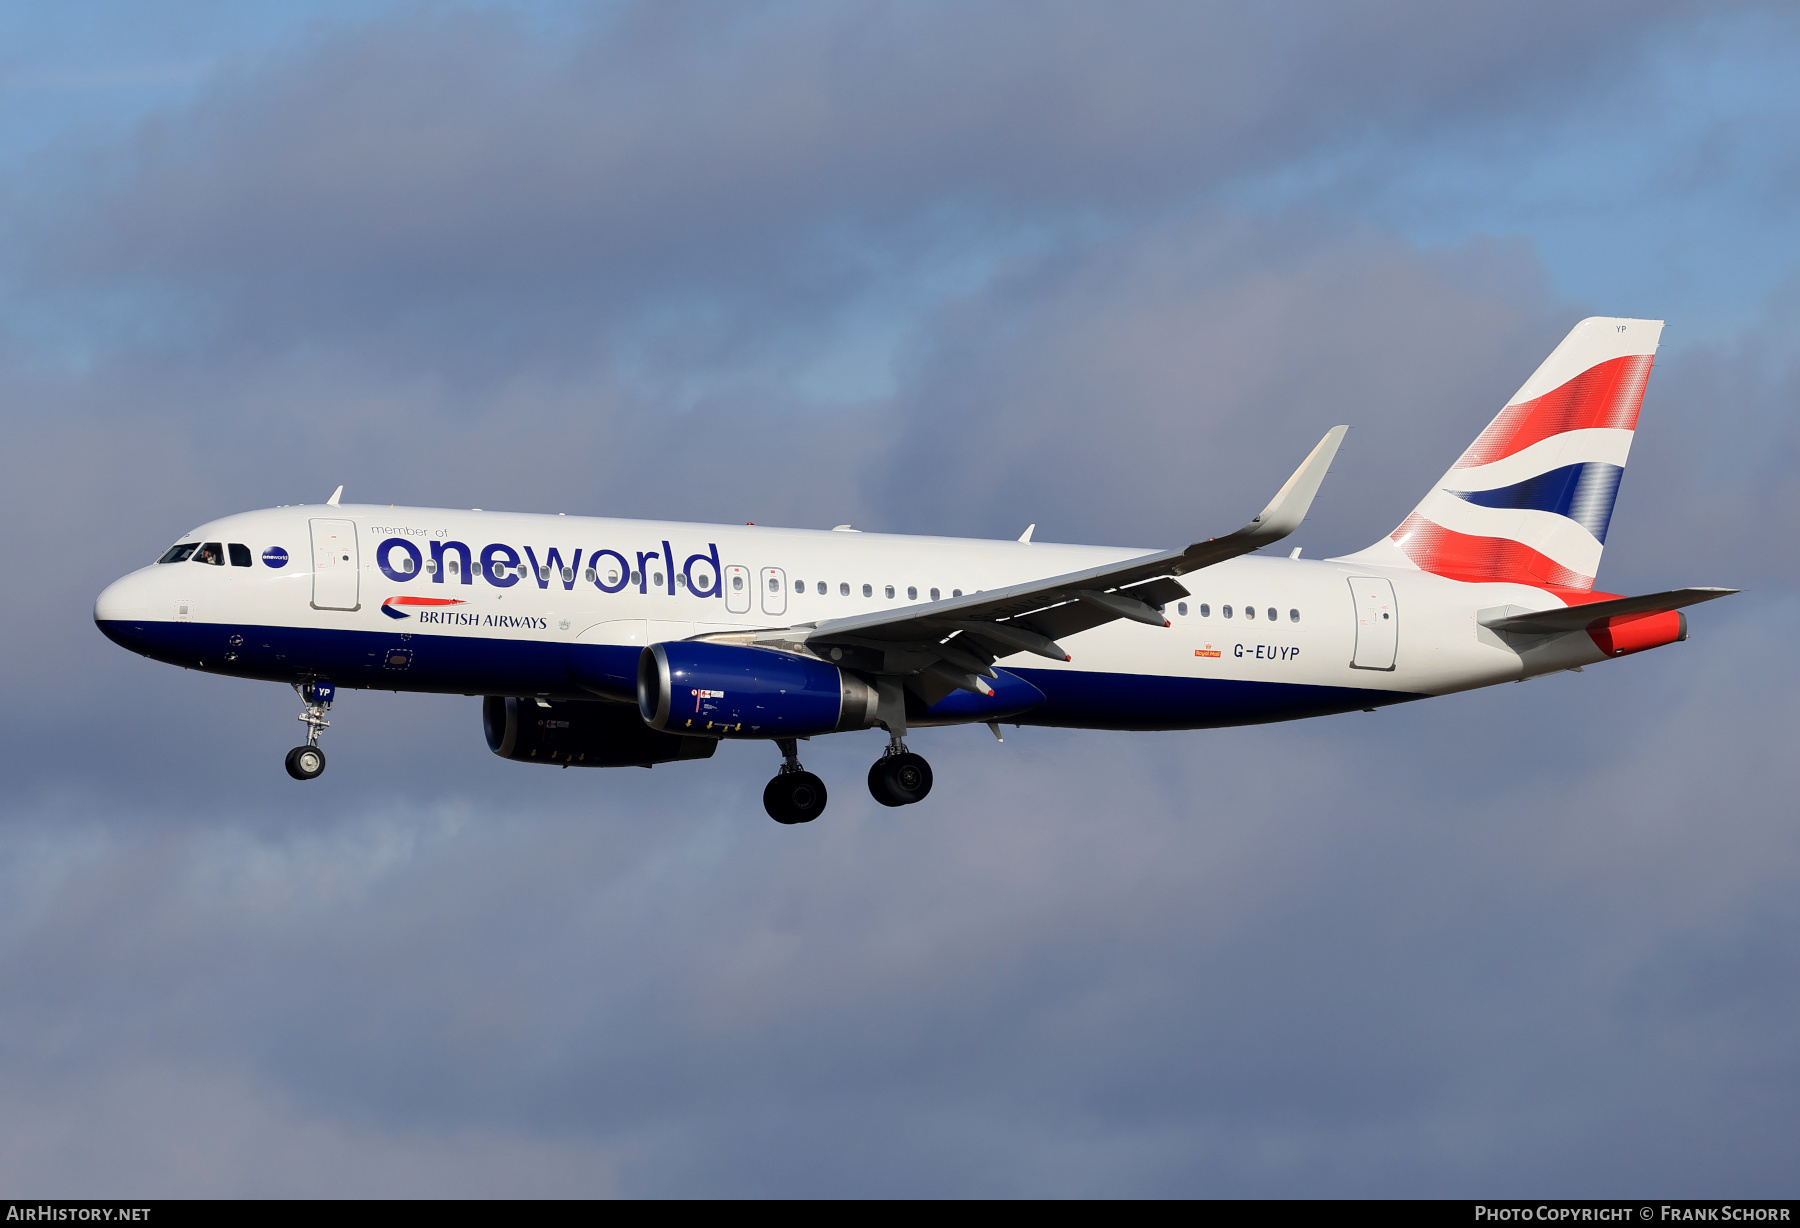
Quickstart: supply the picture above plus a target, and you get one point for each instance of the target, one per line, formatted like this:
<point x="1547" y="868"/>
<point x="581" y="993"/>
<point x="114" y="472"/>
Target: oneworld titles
<point x="502" y="566"/>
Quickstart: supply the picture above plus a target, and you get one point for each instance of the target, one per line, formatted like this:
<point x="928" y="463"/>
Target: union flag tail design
<point x="1530" y="500"/>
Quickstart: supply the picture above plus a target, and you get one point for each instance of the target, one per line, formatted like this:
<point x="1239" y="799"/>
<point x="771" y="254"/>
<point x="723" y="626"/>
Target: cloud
<point x="1527" y="940"/>
<point x="1414" y="950"/>
<point x="439" y="161"/>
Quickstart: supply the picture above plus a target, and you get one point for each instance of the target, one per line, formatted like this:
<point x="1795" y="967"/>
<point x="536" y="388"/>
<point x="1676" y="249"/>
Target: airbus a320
<point x="597" y="642"/>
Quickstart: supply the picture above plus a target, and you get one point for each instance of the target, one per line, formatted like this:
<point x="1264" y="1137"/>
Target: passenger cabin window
<point x="1205" y="610"/>
<point x="180" y="554"/>
<point x="821" y="588"/>
<point x="1249" y="611"/>
<point x="843" y="589"/>
<point x="1181" y="608"/>
<point x="956" y="592"/>
<point x="454" y="565"/>
<point x="1225" y="610"/>
<point x="868" y="591"/>
<point x="934" y="594"/>
<point x="240" y="554"/>
<point x="1293" y="616"/>
<point x="1273" y="616"/>
<point x="211" y="552"/>
<point x="890" y="592"/>
<point x="799" y="586"/>
<point x="912" y="593"/>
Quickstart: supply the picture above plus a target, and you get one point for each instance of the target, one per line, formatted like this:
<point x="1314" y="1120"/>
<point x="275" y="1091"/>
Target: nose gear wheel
<point x="306" y="762"/>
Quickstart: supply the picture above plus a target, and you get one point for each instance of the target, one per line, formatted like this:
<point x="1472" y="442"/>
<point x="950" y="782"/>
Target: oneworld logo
<point x="275" y="556"/>
<point x="502" y="566"/>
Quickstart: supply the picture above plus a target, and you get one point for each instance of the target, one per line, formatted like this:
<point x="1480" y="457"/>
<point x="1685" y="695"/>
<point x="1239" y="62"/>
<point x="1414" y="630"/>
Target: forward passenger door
<point x="336" y="566"/>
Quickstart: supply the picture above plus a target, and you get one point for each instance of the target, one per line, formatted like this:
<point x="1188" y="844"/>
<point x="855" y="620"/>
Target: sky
<point x="937" y="268"/>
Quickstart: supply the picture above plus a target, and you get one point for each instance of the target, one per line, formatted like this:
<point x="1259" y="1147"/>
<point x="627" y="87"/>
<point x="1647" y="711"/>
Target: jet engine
<point x="581" y="735"/>
<point x="725" y="690"/>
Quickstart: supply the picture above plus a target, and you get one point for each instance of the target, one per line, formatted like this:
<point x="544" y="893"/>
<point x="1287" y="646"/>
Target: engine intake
<point x="727" y="690"/>
<point x="581" y="735"/>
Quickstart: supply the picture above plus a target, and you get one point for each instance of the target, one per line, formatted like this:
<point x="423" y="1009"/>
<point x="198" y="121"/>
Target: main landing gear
<point x="899" y="777"/>
<point x="795" y="795"/>
<point x="306" y="762"/>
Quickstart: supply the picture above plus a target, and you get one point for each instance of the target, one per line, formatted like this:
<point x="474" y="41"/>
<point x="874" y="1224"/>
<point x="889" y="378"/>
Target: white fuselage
<point x="344" y="605"/>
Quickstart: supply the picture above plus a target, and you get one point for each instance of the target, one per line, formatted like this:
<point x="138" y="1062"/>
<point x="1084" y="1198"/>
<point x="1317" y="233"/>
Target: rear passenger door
<point x="1377" y="623"/>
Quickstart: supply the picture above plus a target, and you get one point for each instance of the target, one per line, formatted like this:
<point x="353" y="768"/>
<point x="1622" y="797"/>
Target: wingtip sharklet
<point x="1290" y="504"/>
<point x="1288" y="508"/>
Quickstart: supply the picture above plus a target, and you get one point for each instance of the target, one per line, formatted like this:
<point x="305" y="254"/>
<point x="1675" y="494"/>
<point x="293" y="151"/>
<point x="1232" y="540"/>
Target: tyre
<point x="878" y="785"/>
<point x="905" y="778"/>
<point x="305" y="762"/>
<point x="794" y="797"/>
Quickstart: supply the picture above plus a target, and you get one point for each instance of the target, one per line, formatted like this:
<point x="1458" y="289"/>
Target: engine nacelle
<point x="726" y="690"/>
<point x="582" y="735"/>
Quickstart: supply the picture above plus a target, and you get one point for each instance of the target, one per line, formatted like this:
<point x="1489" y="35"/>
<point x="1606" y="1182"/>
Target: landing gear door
<point x="1377" y="623"/>
<point x="737" y="590"/>
<point x="336" y="566"/>
<point x="773" y="586"/>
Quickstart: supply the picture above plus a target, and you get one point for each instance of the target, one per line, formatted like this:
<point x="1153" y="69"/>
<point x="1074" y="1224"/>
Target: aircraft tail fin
<point x="1529" y="502"/>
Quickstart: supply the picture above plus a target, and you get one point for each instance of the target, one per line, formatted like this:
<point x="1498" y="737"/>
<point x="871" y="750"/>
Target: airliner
<point x="595" y="642"/>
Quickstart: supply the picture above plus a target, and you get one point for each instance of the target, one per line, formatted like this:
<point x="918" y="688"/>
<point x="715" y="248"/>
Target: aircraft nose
<point x="128" y="597"/>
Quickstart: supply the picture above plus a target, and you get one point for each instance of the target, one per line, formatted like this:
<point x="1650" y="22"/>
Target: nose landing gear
<point x="899" y="777"/>
<point x="795" y="795"/>
<point x="306" y="762"/>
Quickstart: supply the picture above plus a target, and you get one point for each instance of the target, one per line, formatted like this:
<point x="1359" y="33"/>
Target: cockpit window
<point x="211" y="552"/>
<point x="240" y="554"/>
<point x="180" y="553"/>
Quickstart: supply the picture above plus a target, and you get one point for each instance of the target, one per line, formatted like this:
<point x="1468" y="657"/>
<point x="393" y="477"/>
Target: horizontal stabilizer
<point x="1580" y="617"/>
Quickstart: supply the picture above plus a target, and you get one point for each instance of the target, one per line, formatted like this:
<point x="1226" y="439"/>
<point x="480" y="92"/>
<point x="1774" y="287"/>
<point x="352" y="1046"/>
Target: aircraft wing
<point x="1030" y="617"/>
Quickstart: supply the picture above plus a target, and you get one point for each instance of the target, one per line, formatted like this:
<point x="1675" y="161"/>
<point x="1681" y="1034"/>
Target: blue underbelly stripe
<point x="1159" y="701"/>
<point x="456" y="665"/>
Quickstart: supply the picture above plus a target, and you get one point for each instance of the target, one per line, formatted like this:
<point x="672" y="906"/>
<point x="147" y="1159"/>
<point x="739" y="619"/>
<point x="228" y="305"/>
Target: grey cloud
<point x="1398" y="951"/>
<point x="1190" y="367"/>
<point x="438" y="163"/>
<point x="1530" y="941"/>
